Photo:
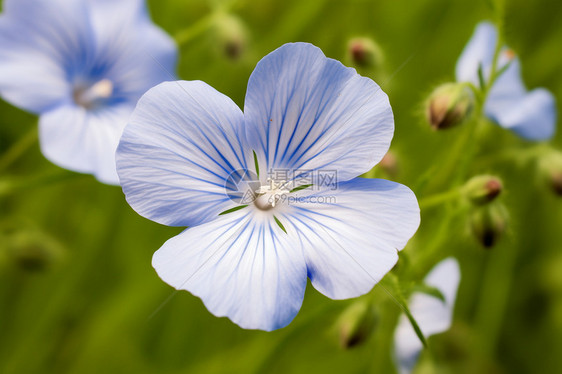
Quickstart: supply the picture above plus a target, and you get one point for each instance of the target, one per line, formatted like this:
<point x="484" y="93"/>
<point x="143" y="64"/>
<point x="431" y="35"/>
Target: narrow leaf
<point x="502" y="70"/>
<point x="481" y="77"/>
<point x="280" y="224"/>
<point x="429" y="290"/>
<point x="256" y="164"/>
<point x="233" y="209"/>
<point x="300" y="188"/>
<point x="394" y="290"/>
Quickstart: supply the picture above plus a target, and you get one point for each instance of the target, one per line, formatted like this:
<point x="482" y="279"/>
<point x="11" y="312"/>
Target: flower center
<point x="270" y="194"/>
<point x="89" y="97"/>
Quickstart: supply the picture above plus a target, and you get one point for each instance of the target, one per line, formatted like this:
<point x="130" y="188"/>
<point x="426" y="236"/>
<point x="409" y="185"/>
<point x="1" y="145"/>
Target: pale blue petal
<point x="509" y="84"/>
<point x="478" y="52"/>
<point x="351" y="235"/>
<point x="432" y="314"/>
<point x="178" y="151"/>
<point x="242" y="265"/>
<point x="42" y="42"/>
<point x="84" y="141"/>
<point x="306" y="111"/>
<point x="531" y="115"/>
<point x="137" y="54"/>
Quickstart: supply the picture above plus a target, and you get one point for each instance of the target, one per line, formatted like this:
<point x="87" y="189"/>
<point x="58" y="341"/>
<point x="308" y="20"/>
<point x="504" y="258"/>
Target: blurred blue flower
<point x="433" y="315"/>
<point x="82" y="65"/>
<point x="531" y="115"/>
<point x="189" y="154"/>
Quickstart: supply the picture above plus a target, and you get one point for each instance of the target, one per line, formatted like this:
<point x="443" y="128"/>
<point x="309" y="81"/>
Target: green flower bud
<point x="449" y="105"/>
<point x="356" y="324"/>
<point x="231" y="36"/>
<point x="31" y="250"/>
<point x="550" y="167"/>
<point x="482" y="189"/>
<point x="488" y="223"/>
<point x="364" y="53"/>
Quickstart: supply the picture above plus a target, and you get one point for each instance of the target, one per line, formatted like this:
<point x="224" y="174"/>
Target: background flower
<point x="81" y="65"/>
<point x="531" y="115"/>
<point x="432" y="314"/>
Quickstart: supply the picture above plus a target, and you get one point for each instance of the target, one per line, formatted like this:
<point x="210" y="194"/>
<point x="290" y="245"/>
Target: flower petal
<point x="478" y="52"/>
<point x="531" y="116"/>
<point x="177" y="153"/>
<point x="432" y="314"/>
<point x="306" y="111"/>
<point x="351" y="235"/>
<point x="242" y="265"/>
<point x="142" y="54"/>
<point x="84" y="141"/>
<point x="41" y="41"/>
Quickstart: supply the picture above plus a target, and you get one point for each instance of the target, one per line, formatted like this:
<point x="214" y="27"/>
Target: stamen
<point x="95" y="93"/>
<point x="271" y="193"/>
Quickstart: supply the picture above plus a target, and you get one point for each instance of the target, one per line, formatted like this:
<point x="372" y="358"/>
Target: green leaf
<point x="256" y="164"/>
<point x="279" y="224"/>
<point x="233" y="209"/>
<point x="429" y="290"/>
<point x="300" y="188"/>
<point x="481" y="79"/>
<point x="502" y="70"/>
<point x="391" y="286"/>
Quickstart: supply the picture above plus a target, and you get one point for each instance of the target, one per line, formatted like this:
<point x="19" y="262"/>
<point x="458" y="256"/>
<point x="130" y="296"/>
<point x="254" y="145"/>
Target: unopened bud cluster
<point x="488" y="217"/>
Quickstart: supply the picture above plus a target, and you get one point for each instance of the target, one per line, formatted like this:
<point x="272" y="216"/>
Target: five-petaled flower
<point x="531" y="115"/>
<point x="302" y="111"/>
<point x="82" y="65"/>
<point x="432" y="314"/>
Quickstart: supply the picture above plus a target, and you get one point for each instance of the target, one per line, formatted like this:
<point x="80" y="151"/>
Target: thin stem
<point x="187" y="34"/>
<point x="19" y="148"/>
<point x="199" y="27"/>
<point x="11" y="186"/>
<point x="440" y="198"/>
<point x="498" y="277"/>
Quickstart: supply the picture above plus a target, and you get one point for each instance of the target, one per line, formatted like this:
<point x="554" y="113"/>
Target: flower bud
<point x="364" y="52"/>
<point x="231" y="35"/>
<point x="550" y="167"/>
<point x="32" y="250"/>
<point x="482" y="189"/>
<point x="449" y="105"/>
<point x="488" y="223"/>
<point x="356" y="324"/>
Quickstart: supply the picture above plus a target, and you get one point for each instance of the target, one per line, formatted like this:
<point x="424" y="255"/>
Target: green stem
<point x="199" y="27"/>
<point x="494" y="296"/>
<point x="518" y="155"/>
<point x="19" y="148"/>
<point x="12" y="186"/>
<point x="440" y="198"/>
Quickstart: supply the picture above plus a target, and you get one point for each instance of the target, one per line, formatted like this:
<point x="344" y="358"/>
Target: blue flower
<point x="433" y="315"/>
<point x="189" y="154"/>
<point x="81" y="65"/>
<point x="531" y="115"/>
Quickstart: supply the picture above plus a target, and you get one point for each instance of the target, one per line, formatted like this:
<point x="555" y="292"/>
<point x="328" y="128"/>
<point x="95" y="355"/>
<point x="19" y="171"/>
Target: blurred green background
<point x="78" y="293"/>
